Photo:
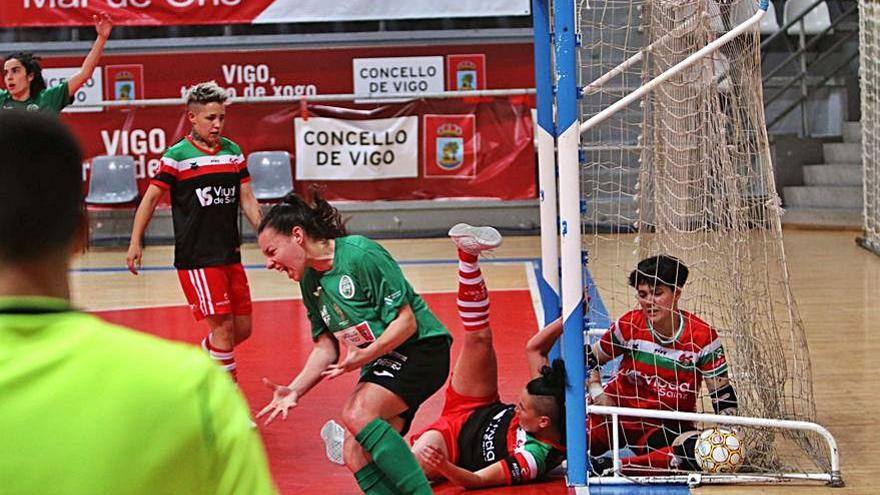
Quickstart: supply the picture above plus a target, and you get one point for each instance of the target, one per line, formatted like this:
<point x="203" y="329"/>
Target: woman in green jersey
<point x="23" y="77"/>
<point x="355" y="293"/>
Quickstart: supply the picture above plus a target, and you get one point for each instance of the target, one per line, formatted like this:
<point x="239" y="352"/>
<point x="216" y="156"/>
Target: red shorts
<point x="635" y="433"/>
<point x="457" y="409"/>
<point x="216" y="290"/>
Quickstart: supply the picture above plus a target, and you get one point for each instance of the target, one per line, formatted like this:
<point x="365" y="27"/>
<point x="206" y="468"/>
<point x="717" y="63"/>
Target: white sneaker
<point x="333" y="436"/>
<point x="475" y="240"/>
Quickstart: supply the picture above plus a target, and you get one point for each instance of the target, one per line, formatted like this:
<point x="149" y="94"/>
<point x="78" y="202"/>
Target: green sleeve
<point x="386" y="284"/>
<point x="55" y="98"/>
<point x="237" y="458"/>
<point x="311" y="304"/>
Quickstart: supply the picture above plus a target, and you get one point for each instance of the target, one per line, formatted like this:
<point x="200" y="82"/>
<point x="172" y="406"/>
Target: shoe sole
<point x="486" y="236"/>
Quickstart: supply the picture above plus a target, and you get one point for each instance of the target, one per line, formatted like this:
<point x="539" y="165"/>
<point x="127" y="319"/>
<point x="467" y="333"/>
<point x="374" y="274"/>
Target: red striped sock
<point x="224" y="358"/>
<point x="473" y="298"/>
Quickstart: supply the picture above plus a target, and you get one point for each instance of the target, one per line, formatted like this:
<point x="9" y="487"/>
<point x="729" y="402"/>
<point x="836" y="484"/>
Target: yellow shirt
<point x="87" y="407"/>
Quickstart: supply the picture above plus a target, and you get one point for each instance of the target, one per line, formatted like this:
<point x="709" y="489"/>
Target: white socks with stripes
<point x="473" y="298"/>
<point x="226" y="359"/>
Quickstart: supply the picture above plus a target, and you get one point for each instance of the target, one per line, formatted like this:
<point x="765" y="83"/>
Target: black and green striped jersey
<point x="205" y="187"/>
<point x="492" y="433"/>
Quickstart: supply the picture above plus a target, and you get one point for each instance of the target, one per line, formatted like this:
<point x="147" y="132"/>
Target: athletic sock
<point x="373" y="481"/>
<point x="392" y="456"/>
<point x="473" y="298"/>
<point x="225" y="358"/>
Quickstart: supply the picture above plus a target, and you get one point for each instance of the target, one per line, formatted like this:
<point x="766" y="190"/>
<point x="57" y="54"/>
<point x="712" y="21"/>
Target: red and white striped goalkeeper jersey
<point x="658" y="374"/>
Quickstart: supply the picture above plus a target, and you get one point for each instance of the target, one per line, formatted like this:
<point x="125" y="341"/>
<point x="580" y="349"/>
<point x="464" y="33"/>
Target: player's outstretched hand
<point x="133" y="258"/>
<point x="353" y="360"/>
<point x="283" y="399"/>
<point x="103" y="24"/>
<point x="432" y="457"/>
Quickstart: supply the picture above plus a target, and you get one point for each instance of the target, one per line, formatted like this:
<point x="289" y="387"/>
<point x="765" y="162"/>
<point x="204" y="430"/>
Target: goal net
<point x="685" y="171"/>
<point x="869" y="51"/>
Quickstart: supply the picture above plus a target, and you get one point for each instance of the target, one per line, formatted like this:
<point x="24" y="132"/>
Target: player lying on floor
<point x="478" y="441"/>
<point x="667" y="353"/>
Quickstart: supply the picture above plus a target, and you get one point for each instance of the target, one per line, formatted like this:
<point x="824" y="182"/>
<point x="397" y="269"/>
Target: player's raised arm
<point x="538" y="347"/>
<point x="103" y="26"/>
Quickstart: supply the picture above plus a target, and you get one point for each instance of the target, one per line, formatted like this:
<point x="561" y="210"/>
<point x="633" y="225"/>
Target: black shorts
<point x="413" y="371"/>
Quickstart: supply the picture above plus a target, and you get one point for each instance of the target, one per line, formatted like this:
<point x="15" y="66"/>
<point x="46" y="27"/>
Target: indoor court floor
<point x="836" y="285"/>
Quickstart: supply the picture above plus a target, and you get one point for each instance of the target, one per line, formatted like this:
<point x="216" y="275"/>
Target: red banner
<point x="504" y="162"/>
<point x="450" y="146"/>
<point x="18" y="13"/>
<point x="466" y="72"/>
<point x="124" y="82"/>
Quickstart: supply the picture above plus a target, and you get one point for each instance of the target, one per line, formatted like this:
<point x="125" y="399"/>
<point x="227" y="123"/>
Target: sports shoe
<point x="474" y="240"/>
<point x="333" y="436"/>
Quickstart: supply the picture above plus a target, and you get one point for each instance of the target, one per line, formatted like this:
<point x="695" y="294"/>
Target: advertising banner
<point x="333" y="149"/>
<point x="388" y="76"/>
<point x="504" y="161"/>
<point x="124" y="82"/>
<point x="17" y="13"/>
<point x="466" y="72"/>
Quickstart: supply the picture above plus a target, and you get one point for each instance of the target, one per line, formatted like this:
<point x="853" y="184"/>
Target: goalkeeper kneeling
<point x="667" y="352"/>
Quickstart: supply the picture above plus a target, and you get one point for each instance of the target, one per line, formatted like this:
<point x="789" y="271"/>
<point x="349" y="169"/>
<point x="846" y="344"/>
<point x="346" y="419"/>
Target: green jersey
<point x="89" y="407"/>
<point x="52" y="99"/>
<point x="362" y="294"/>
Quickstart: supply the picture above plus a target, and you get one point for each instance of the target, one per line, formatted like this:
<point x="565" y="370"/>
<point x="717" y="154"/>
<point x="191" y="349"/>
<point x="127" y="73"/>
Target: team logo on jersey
<point x="216" y="195"/>
<point x="33" y="107"/>
<point x="346" y="287"/>
<point x="390" y="298"/>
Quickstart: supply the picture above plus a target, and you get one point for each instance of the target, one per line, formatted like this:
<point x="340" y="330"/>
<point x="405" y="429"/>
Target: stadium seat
<point x="816" y="21"/>
<point x="769" y="24"/>
<point x="270" y="174"/>
<point x="112" y="180"/>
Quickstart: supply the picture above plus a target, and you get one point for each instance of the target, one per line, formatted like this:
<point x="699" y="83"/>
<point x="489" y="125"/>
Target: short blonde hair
<point x="206" y="92"/>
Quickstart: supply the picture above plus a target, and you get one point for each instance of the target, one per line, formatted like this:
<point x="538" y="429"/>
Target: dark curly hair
<point x="31" y="64"/>
<point x="318" y="218"/>
<point x="659" y="270"/>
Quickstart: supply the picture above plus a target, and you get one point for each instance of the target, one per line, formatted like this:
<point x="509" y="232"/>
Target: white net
<point x="686" y="172"/>
<point x="869" y="58"/>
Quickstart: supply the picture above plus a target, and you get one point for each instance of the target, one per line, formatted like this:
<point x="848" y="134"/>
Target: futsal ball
<point x="719" y="450"/>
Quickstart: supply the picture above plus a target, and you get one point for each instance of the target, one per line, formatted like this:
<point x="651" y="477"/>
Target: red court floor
<point x="277" y="350"/>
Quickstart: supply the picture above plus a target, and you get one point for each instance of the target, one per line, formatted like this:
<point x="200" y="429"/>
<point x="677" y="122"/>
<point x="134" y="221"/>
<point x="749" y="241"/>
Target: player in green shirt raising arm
<point x="355" y="293"/>
<point x="25" y="87"/>
<point x="88" y="407"/>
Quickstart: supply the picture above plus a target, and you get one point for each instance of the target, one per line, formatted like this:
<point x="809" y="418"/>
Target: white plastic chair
<point x="816" y="21"/>
<point x="112" y="180"/>
<point x="270" y="174"/>
<point x="769" y="24"/>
